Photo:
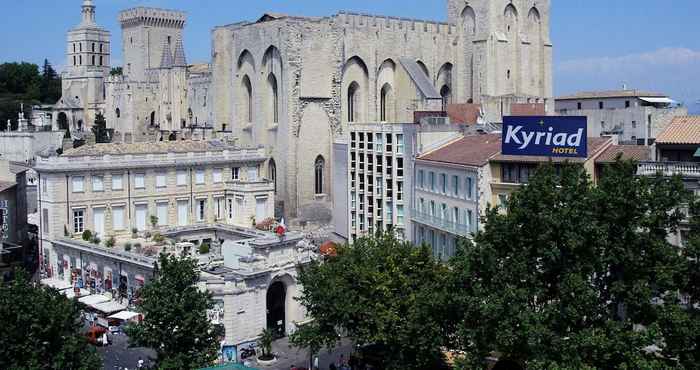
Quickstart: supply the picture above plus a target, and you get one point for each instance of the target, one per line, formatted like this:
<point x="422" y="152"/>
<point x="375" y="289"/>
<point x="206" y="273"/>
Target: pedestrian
<point x="140" y="364"/>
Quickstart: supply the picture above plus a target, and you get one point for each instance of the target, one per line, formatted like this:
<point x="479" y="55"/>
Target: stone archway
<point x="276" y="308"/>
<point x="62" y="121"/>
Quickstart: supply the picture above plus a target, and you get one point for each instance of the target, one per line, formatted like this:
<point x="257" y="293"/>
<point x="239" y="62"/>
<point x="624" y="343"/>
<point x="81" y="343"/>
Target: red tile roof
<point x="595" y="145"/>
<point x="473" y="150"/>
<point x="463" y="114"/>
<point x="626" y="152"/>
<point x="681" y="130"/>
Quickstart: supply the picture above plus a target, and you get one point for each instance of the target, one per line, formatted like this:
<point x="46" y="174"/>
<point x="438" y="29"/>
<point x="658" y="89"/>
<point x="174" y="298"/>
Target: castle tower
<point x="143" y="32"/>
<point x="88" y="64"/>
<point x="507" y="52"/>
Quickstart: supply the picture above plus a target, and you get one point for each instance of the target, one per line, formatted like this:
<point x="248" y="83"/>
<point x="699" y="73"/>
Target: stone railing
<point x="684" y="169"/>
<point x="106" y="252"/>
<point x="251" y="187"/>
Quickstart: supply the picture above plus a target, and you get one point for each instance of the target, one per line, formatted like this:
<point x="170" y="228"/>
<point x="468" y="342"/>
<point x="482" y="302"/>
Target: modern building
<point x="14" y="237"/>
<point x="450" y="190"/>
<point x="635" y="116"/>
<point x="116" y="189"/>
<point x="677" y="152"/>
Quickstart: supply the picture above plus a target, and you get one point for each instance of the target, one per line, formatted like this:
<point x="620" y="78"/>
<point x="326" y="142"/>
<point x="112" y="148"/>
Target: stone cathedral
<point x="293" y="84"/>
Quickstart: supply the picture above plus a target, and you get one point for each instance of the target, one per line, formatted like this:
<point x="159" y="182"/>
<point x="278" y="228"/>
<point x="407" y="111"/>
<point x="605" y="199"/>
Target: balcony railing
<point x="441" y="223"/>
<point x="684" y="169"/>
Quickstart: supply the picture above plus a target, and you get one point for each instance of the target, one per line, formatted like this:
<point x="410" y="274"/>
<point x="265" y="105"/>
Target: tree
<point x="116" y="71"/>
<point x="176" y="325"/>
<point x="50" y="84"/>
<point x="265" y="342"/>
<point x="382" y="292"/>
<point x="565" y="277"/>
<point x="41" y="329"/>
<point x="100" y="130"/>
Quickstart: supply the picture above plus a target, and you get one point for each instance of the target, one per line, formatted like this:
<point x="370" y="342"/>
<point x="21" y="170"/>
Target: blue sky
<point x="598" y="44"/>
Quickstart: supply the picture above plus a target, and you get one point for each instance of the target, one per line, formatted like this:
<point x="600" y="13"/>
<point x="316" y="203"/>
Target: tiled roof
<point x="463" y="114"/>
<point x="595" y="145"/>
<point x="183" y="146"/>
<point x="474" y="150"/>
<point x="627" y="152"/>
<point x="612" y="94"/>
<point x="681" y="130"/>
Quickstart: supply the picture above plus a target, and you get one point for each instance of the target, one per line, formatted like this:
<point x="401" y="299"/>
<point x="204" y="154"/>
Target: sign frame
<point x="545" y="136"/>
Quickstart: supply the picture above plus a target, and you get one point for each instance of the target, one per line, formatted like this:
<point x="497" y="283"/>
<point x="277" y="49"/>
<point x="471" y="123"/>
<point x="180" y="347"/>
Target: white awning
<point x="71" y="294"/>
<point x="56" y="283"/>
<point x="93" y="299"/>
<point x="659" y="100"/>
<point x="109" y="307"/>
<point x="124" y="315"/>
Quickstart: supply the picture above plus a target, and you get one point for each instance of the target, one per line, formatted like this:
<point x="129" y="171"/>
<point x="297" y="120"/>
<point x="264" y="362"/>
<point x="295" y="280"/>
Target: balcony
<point x="264" y="186"/>
<point x="440" y="223"/>
<point x="684" y="169"/>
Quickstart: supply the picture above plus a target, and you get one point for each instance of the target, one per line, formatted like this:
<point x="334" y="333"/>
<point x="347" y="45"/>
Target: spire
<point x="88" y="13"/>
<point x="166" y="61"/>
<point x="180" y="60"/>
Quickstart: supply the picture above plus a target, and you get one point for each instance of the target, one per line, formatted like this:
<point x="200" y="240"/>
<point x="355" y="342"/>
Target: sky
<point x="598" y="44"/>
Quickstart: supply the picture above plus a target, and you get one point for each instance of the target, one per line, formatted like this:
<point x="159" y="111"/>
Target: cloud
<point x="665" y="57"/>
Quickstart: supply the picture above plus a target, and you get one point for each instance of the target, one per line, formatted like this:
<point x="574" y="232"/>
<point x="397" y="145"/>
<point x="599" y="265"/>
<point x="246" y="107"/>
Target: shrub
<point x="134" y="232"/>
<point x="127" y="246"/>
<point x="158" y="237"/>
<point x="204" y="248"/>
<point x="137" y="247"/>
<point x="95" y="240"/>
<point x="87" y="235"/>
<point x="154" y="221"/>
<point x="110" y="242"/>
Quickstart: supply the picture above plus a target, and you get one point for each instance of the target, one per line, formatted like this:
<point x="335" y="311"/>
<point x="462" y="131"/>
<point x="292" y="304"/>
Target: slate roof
<point x="612" y="94"/>
<point x="474" y="150"/>
<point x="183" y="146"/>
<point x="681" y="130"/>
<point x="166" y="60"/>
<point x="425" y="86"/>
<point x="627" y="152"/>
<point x="180" y="59"/>
<point x="595" y="145"/>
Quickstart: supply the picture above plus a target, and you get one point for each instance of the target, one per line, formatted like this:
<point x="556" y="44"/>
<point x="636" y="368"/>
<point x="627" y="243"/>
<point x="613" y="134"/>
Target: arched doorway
<point x="276" y="299"/>
<point x="507" y="365"/>
<point x="62" y="121"/>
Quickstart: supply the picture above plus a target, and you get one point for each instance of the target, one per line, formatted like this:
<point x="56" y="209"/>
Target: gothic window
<point x="352" y="101"/>
<point x="272" y="169"/>
<point x="74" y="62"/>
<point x="318" y="174"/>
<point x="248" y="96"/>
<point x="118" y="113"/>
<point x="446" y="95"/>
<point x="469" y="20"/>
<point x="385" y="103"/>
<point x="80" y="59"/>
<point x="93" y="47"/>
<point x="101" y="61"/>
<point x="272" y="82"/>
<point x="93" y="60"/>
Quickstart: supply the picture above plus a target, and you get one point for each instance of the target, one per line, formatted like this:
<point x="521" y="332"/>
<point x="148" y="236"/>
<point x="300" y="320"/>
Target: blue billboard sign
<point x="545" y="136"/>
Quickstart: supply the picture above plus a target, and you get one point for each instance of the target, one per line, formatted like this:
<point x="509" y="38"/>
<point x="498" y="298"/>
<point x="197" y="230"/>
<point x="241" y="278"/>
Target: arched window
<point x="93" y="60"/>
<point x="319" y="166"/>
<point x="248" y="99"/>
<point x="74" y="48"/>
<point x="80" y="59"/>
<point x="101" y="49"/>
<point x="118" y="113"/>
<point x="101" y="61"/>
<point x="80" y="46"/>
<point x="272" y="169"/>
<point x="74" y="62"/>
<point x="469" y="20"/>
<point x="385" y="103"/>
<point x="352" y="101"/>
<point x="93" y="47"/>
<point x="274" y="98"/>
<point x="153" y="118"/>
<point x="446" y="95"/>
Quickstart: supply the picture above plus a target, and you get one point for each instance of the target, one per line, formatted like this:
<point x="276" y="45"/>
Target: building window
<point x="470" y="188"/>
<point x="93" y="47"/>
<point x="399" y="144"/>
<point x="352" y="101"/>
<point x="503" y="200"/>
<point x="421" y="184"/>
<point x="235" y="173"/>
<point x="384" y="104"/>
<point x="78" y="184"/>
<point x="248" y="95"/>
<point x="627" y="103"/>
<point x="272" y="172"/>
<point x="118" y="113"/>
<point x="219" y="208"/>
<point x="201" y="208"/>
<point x="101" y="61"/>
<point x="578" y="105"/>
<point x="44" y="185"/>
<point x="80" y="59"/>
<point x="98" y="183"/>
<point x="199" y="177"/>
<point x="217" y="175"/>
<point x="399" y="215"/>
<point x="601" y="105"/>
<point x="118" y="218"/>
<point x="230" y="209"/>
<point x="162" y="213"/>
<point x="443" y="182"/>
<point x="101" y="50"/>
<point x="455" y="185"/>
<point x="93" y="60"/>
<point x="161" y="180"/>
<point x="468" y="221"/>
<point x="443" y="211"/>
<point x="181" y="177"/>
<point x="634" y="124"/>
<point x="139" y="181"/>
<point x="318" y="174"/>
<point x="118" y="182"/>
<point x="253" y="173"/>
<point x="74" y="60"/>
<point x="455" y="215"/>
<point x="78" y="220"/>
<point x="432" y="208"/>
<point x="272" y="82"/>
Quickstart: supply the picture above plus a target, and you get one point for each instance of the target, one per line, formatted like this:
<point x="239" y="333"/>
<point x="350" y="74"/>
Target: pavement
<point x="118" y="355"/>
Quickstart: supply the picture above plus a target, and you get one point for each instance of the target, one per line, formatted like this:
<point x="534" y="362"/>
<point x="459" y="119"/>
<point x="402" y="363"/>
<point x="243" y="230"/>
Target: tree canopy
<point x="571" y="275"/>
<point x="176" y="325"/>
<point x="24" y="83"/>
<point x="380" y="291"/>
<point x="40" y="329"/>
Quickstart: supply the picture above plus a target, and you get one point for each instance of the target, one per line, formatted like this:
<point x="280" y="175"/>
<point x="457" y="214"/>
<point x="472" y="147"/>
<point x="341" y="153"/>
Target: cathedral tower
<point x="88" y="64"/>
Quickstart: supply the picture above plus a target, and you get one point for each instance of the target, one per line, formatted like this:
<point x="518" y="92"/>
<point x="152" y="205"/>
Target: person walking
<point x="139" y="364"/>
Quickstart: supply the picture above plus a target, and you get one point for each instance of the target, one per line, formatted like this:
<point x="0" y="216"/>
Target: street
<point x="118" y="355"/>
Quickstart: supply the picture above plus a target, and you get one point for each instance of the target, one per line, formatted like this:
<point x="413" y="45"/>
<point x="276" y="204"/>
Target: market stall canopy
<point x="93" y="299"/>
<point x="109" y="307"/>
<point x="124" y="315"/>
<point x="70" y="293"/>
<point x="56" y="283"/>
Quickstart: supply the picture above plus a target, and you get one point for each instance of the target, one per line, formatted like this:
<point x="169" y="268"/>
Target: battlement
<point x="395" y="23"/>
<point x="153" y="17"/>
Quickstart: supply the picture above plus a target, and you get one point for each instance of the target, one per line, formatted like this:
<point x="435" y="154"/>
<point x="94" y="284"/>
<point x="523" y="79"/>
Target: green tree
<point x="41" y="329"/>
<point x="565" y="276"/>
<point x="265" y="342"/>
<point x="176" y="325"/>
<point x="50" y="84"/>
<point x="19" y="83"/>
<point x="100" y="130"/>
<point x="378" y="291"/>
<point x="116" y="71"/>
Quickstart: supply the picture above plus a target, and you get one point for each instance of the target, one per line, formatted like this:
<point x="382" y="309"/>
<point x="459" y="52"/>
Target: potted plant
<point x="110" y="242"/>
<point x="127" y="246"/>
<point x="265" y="343"/>
<point x="154" y="221"/>
<point x="134" y="232"/>
<point x="87" y="235"/>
